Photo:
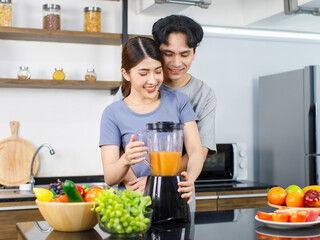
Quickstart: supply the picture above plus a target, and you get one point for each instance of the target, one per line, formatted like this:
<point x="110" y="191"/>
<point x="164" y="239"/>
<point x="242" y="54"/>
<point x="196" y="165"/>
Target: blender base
<point x="167" y="204"/>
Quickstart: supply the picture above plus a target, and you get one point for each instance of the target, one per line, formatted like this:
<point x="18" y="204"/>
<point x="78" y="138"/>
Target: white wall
<point x="69" y="119"/>
<point x="232" y="66"/>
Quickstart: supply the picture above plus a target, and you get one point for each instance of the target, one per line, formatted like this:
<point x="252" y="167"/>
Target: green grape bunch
<point x="122" y="211"/>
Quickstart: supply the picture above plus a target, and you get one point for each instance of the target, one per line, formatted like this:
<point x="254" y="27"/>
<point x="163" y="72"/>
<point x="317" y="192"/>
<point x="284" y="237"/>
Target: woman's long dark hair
<point x="134" y="51"/>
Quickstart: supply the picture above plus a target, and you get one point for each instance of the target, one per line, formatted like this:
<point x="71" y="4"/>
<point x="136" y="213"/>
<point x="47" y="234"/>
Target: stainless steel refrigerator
<point x="289" y="127"/>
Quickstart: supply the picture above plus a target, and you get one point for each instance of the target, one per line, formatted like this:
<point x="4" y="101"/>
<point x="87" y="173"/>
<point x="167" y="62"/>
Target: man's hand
<point x="138" y="184"/>
<point x="186" y="187"/>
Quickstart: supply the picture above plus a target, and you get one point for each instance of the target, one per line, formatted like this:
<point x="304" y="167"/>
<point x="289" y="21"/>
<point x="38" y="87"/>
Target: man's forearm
<point x="185" y="159"/>
<point x="129" y="177"/>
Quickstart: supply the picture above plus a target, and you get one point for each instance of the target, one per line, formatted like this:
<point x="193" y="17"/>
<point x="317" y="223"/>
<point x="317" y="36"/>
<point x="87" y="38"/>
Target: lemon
<point x="43" y="194"/>
<point x="315" y="187"/>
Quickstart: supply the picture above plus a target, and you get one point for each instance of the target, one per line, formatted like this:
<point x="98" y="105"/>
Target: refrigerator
<point x="289" y="127"/>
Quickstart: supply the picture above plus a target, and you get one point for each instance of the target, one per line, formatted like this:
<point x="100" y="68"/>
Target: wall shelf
<point x="32" y="34"/>
<point x="61" y="84"/>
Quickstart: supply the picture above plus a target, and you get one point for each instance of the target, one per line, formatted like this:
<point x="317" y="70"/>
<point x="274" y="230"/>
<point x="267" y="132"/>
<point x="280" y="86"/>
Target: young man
<point x="178" y="37"/>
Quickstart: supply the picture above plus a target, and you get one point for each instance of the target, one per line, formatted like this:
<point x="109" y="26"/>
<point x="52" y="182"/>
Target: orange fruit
<point x="298" y="217"/>
<point x="281" y="217"/>
<point x="277" y="196"/>
<point x="294" y="199"/>
<point x="262" y="236"/>
<point x="264" y="216"/>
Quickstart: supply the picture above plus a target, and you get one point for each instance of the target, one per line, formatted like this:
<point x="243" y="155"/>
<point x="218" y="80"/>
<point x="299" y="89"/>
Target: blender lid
<point x="165" y="126"/>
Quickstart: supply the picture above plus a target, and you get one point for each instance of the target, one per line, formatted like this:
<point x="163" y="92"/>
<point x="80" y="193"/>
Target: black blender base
<point x="167" y="204"/>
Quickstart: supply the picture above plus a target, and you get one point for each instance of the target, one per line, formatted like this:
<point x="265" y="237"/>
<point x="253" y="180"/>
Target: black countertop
<point x="219" y="186"/>
<point x="224" y="225"/>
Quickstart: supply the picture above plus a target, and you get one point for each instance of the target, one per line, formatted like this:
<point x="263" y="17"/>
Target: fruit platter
<point x="295" y="207"/>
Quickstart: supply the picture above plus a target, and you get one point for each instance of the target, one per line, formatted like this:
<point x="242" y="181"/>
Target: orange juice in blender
<point x="164" y="163"/>
<point x="165" y="142"/>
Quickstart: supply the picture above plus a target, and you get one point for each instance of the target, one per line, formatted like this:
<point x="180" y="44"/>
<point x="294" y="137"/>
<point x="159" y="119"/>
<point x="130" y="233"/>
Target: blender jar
<point x="165" y="141"/>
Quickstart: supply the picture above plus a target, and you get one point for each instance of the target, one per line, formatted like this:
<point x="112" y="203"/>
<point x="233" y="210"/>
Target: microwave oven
<point x="229" y="163"/>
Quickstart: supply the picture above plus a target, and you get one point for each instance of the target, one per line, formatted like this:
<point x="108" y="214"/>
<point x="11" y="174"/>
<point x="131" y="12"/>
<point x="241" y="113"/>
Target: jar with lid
<point x="51" y="16"/>
<point x="58" y="74"/>
<point x="5" y="13"/>
<point x="24" y="73"/>
<point x="90" y="75"/>
<point x="92" y="19"/>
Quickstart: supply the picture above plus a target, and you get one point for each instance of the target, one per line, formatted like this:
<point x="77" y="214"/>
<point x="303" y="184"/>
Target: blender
<point x="165" y="142"/>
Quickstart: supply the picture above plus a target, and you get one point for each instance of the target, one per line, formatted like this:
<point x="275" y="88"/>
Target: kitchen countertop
<point x="226" y="225"/>
<point x="219" y="186"/>
<point x="16" y="195"/>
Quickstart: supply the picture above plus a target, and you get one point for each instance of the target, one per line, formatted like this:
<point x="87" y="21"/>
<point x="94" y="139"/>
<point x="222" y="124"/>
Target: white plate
<point x="287" y="225"/>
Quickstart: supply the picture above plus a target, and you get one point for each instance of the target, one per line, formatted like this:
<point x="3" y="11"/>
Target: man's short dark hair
<point x="177" y="24"/>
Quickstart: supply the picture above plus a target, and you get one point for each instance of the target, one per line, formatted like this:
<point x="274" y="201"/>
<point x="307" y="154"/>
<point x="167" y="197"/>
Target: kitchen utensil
<point x="15" y="159"/>
<point x="165" y="141"/>
<point x="68" y="217"/>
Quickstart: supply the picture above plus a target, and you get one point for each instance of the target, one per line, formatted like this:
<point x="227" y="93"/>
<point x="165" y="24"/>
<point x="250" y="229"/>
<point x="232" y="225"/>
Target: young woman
<point x="144" y="103"/>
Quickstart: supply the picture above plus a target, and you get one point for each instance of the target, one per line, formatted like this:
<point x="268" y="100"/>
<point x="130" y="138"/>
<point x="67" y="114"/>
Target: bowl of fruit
<point x="295" y="197"/>
<point x="70" y="210"/>
<point x="123" y="213"/>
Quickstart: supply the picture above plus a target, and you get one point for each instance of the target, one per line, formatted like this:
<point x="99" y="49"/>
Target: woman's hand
<point x="138" y="184"/>
<point x="134" y="152"/>
<point x="186" y="187"/>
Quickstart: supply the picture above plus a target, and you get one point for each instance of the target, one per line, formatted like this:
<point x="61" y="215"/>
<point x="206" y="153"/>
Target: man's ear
<point x="194" y="53"/>
<point x="125" y="74"/>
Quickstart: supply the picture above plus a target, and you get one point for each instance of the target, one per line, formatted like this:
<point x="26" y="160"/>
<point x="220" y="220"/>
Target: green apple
<point x="294" y="188"/>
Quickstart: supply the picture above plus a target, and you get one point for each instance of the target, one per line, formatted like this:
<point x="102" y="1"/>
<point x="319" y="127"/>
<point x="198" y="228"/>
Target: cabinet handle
<point x="206" y="197"/>
<point x="243" y="195"/>
<point x="13" y="208"/>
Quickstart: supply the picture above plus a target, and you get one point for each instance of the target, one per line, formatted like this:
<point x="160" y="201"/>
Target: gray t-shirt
<point x="119" y="122"/>
<point x="203" y="101"/>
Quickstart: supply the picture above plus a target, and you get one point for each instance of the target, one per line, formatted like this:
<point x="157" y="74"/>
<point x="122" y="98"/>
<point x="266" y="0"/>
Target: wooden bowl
<point x="68" y="217"/>
<point x="295" y="208"/>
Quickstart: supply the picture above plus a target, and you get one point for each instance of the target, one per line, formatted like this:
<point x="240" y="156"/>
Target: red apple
<point x="311" y="198"/>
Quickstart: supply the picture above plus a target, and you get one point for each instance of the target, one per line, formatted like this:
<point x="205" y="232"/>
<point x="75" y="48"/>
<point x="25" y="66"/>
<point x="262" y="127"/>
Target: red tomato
<point x="298" y="217"/>
<point x="264" y="216"/>
<point x="81" y="190"/>
<point x="281" y="217"/>
<point x="60" y="199"/>
<point x="92" y="193"/>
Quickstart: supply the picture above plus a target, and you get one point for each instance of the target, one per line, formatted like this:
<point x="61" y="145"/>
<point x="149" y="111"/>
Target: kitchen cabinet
<point x="229" y="200"/>
<point x="25" y="211"/>
<point x="62" y="36"/>
<point x="206" y="201"/>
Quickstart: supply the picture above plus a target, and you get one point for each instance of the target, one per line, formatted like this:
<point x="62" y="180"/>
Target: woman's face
<point x="145" y="78"/>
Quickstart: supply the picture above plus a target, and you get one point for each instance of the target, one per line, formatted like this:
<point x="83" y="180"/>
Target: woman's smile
<point x="151" y="89"/>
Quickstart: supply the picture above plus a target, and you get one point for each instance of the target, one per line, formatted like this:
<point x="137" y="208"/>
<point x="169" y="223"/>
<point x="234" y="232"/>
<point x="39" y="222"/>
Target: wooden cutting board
<point x="15" y="159"/>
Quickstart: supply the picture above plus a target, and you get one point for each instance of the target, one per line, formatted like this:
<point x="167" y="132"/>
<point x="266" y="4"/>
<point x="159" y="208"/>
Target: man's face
<point x="177" y="57"/>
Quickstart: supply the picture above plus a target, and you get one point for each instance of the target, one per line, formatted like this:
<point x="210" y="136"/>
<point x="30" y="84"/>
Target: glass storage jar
<point x="51" y="16"/>
<point x="90" y="75"/>
<point x="58" y="74"/>
<point x="24" y="73"/>
<point x="5" y="13"/>
<point x="92" y="19"/>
